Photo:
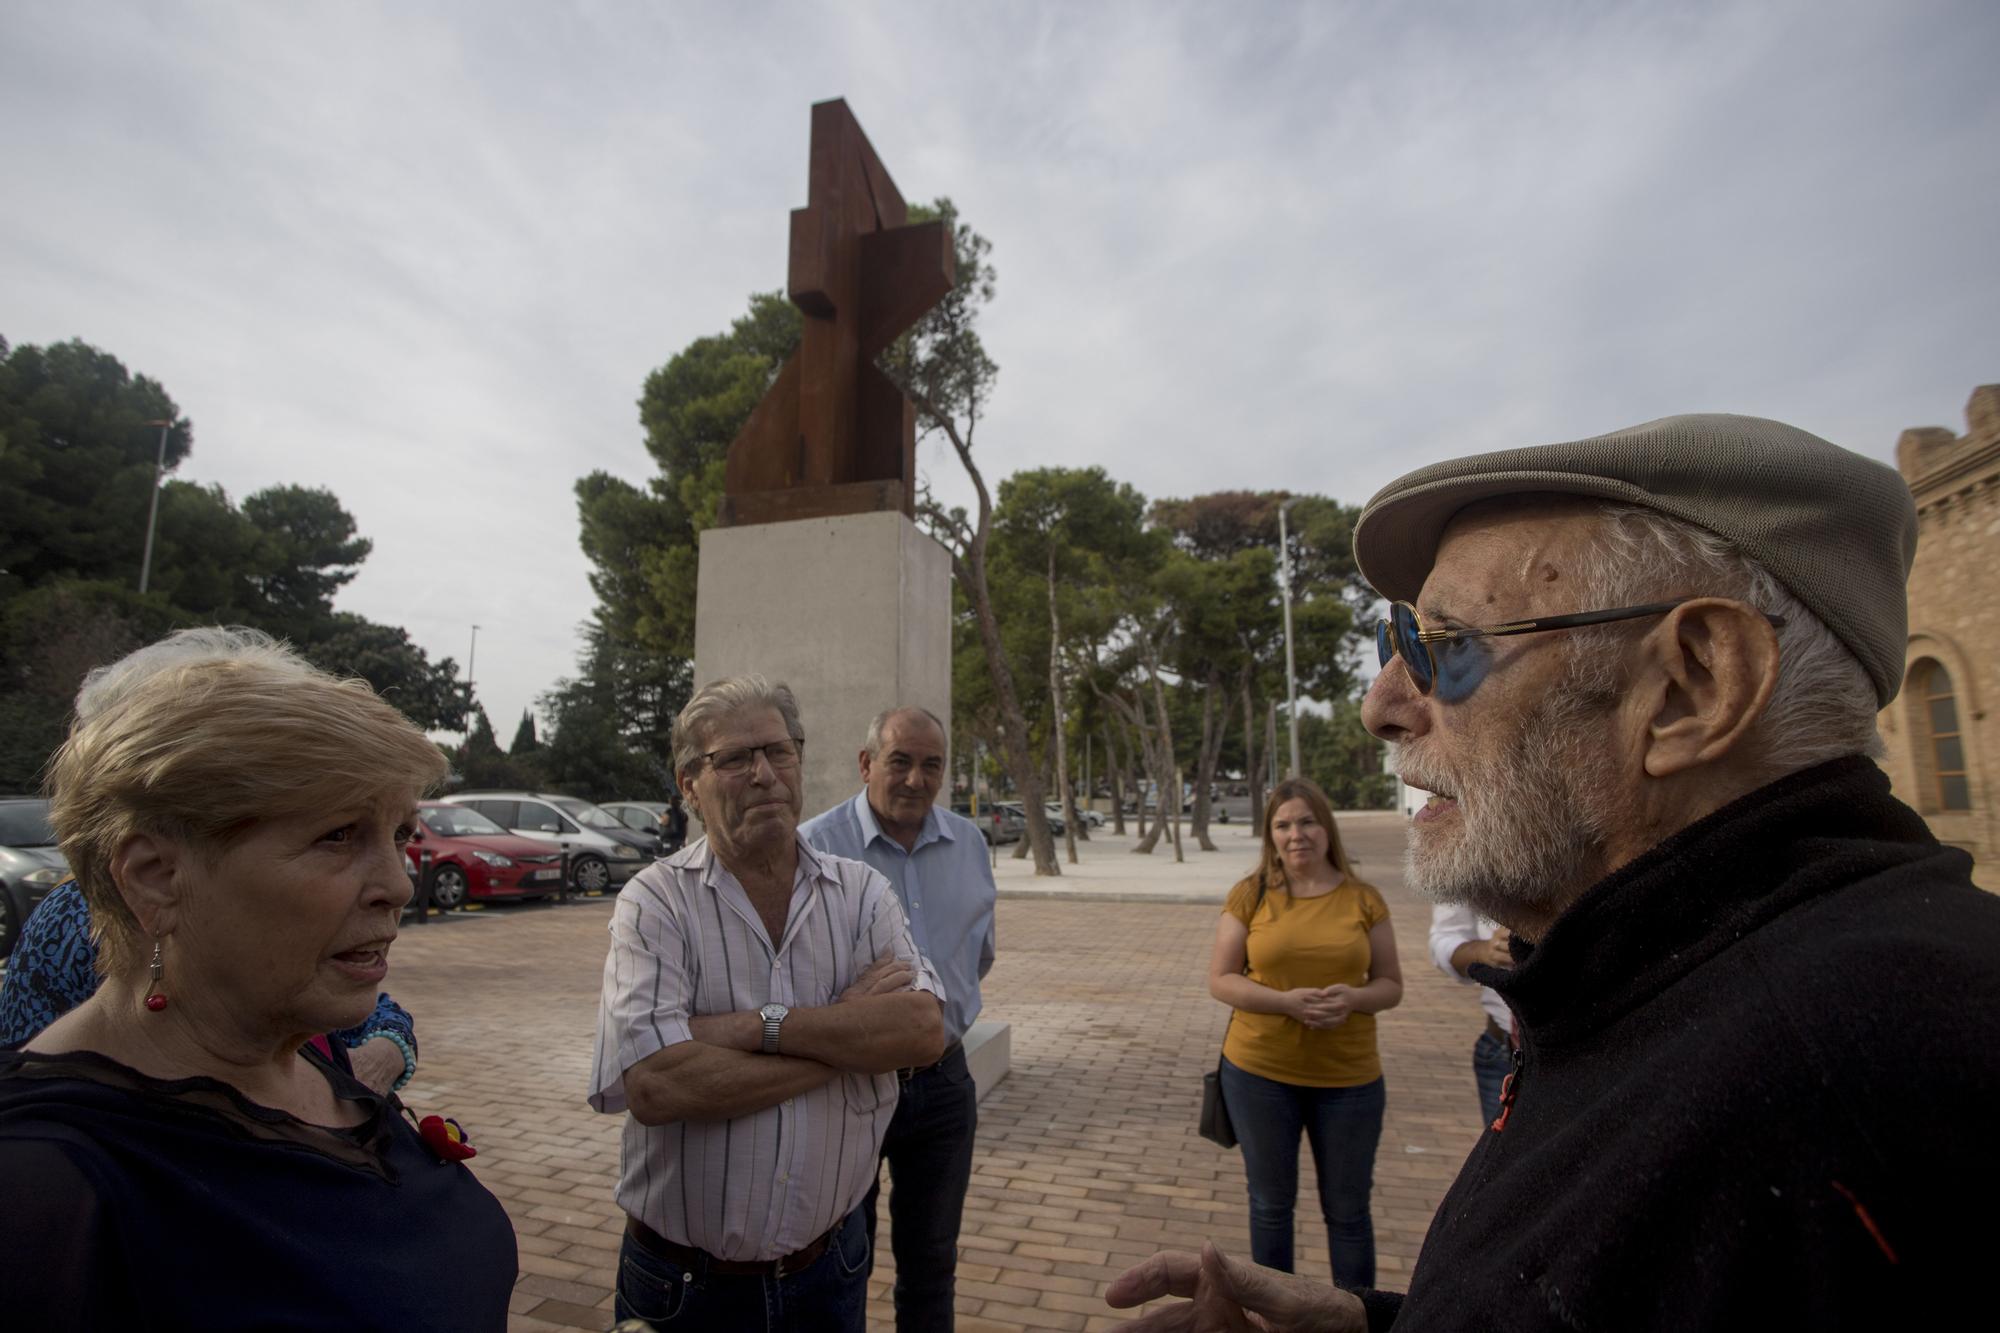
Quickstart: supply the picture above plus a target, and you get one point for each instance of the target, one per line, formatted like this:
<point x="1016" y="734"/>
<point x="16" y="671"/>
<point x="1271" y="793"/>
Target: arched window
<point x="1938" y="712"/>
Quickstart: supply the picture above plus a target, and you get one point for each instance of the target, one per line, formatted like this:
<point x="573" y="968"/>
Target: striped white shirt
<point x="685" y="940"/>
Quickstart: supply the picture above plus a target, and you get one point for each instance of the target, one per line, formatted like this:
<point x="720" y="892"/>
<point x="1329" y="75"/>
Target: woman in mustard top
<point x="1305" y="955"/>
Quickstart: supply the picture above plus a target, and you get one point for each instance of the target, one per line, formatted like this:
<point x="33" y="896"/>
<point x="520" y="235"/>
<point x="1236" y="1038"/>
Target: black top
<point x="138" y="1203"/>
<point x="1757" y="1088"/>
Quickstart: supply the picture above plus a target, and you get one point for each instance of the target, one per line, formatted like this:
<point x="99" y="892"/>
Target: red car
<point x="473" y="857"/>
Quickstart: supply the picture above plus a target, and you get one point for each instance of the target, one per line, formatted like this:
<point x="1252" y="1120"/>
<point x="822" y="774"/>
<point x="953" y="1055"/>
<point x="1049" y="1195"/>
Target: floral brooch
<point x="446" y="1138"/>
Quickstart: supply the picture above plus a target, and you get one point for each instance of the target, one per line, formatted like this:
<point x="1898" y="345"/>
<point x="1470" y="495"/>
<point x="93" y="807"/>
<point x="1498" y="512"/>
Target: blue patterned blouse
<point x="54" y="969"/>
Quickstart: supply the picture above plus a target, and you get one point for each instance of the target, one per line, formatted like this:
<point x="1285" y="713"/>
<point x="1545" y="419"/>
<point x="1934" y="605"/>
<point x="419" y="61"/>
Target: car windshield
<point x="455" y="821"/>
<point x="587" y="814"/>
<point x="26" y="824"/>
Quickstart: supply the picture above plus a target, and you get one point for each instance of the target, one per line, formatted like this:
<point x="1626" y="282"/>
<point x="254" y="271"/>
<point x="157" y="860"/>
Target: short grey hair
<point x="873" y="744"/>
<point x="720" y="700"/>
<point x="1823" y="706"/>
<point x="106" y="686"/>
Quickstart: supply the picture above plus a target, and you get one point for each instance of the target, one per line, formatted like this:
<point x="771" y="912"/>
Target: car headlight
<point x="493" y="859"/>
<point x="47" y="875"/>
<point x="623" y="853"/>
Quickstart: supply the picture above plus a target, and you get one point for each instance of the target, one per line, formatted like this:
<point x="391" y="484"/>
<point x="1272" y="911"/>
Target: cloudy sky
<point x="425" y="256"/>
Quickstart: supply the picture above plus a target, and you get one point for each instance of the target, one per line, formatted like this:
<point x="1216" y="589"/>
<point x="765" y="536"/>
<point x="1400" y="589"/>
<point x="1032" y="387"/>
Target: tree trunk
<point x="1198" y="818"/>
<point x="1114" y="766"/>
<point x="1253" y="771"/>
<point x="1058" y="717"/>
<point x="1168" y="770"/>
<point x="1013" y="723"/>
<point x="1214" y="727"/>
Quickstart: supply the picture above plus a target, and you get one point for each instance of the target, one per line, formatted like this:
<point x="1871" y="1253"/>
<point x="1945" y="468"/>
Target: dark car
<point x="647" y="817"/>
<point x="30" y="864"/>
<point x="473" y="857"/>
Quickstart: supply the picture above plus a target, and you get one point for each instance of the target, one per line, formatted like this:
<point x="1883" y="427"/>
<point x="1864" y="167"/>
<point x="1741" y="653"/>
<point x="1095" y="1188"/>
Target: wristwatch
<point x="773" y="1015"/>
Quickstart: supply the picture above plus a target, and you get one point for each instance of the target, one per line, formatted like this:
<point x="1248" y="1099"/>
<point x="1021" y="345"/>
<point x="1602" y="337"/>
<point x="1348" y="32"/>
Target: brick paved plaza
<point x="1087" y="1158"/>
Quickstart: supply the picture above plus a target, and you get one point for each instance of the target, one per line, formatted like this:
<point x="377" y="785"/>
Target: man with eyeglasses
<point x="936" y="860"/>
<point x="1755" y="999"/>
<point x="759" y="998"/>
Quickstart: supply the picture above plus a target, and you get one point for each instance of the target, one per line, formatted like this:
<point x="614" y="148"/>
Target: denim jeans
<point x="831" y="1296"/>
<point x="929" y="1151"/>
<point x="1491" y="1063"/>
<point x="1343" y="1125"/>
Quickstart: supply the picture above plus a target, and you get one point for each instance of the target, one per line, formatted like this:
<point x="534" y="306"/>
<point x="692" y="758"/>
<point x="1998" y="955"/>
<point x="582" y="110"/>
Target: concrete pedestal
<point x="854" y="613"/>
<point x="989" y="1051"/>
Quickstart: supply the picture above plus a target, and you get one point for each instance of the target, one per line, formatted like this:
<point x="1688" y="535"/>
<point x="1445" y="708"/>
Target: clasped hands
<point x="1320" y="1007"/>
<point x="1227" y="1295"/>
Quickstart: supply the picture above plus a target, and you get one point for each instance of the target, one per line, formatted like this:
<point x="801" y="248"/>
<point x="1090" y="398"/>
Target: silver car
<point x="30" y="864"/>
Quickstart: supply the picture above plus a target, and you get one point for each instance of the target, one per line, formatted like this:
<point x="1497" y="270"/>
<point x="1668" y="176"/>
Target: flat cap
<point x="1837" y="529"/>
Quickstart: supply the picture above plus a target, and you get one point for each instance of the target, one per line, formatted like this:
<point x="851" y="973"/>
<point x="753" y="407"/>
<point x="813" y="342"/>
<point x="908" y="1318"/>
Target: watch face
<point x="772" y="1012"/>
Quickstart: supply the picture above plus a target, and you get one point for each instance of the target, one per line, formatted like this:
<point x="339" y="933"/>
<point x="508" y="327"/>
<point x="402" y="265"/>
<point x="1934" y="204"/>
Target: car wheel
<point x="10" y="925"/>
<point x="589" y="874"/>
<point x="448" y="889"/>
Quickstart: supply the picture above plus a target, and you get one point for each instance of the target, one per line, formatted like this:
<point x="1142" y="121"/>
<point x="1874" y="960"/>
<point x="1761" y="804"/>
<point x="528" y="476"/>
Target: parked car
<point x="603" y="853"/>
<point x="473" y="857"/>
<point x="30" y="864"/>
<point x="641" y="817"/>
<point x="1010" y="826"/>
<point x="1056" y="824"/>
<point x="1090" y="817"/>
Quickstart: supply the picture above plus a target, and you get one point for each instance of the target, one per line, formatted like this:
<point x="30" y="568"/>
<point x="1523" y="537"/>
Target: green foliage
<point x="609" y="727"/>
<point x="524" y="735"/>
<point x="77" y="451"/>
<point x="941" y="362"/>
<point x="79" y="443"/>
<point x="50" y="638"/>
<point x="1338" y="753"/>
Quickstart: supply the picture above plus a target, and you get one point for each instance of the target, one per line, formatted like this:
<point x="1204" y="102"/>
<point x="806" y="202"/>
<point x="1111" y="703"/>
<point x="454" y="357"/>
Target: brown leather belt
<point x="687" y="1256"/>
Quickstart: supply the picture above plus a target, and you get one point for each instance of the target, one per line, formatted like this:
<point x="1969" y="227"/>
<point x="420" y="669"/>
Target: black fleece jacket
<point x="1758" y="1088"/>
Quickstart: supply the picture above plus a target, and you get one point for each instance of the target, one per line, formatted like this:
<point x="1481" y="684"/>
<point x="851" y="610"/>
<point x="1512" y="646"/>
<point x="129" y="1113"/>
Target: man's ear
<point x="1715" y="664"/>
<point x="866" y="761"/>
<point x="150" y="872"/>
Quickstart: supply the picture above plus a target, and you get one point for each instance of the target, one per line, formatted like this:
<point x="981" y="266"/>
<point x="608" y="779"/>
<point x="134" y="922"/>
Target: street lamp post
<point x="471" y="658"/>
<point x="1291" y="666"/>
<point x="153" y="514"/>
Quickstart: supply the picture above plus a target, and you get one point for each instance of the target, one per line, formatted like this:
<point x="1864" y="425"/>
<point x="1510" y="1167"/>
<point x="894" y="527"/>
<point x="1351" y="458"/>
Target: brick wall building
<point x="1942" y="731"/>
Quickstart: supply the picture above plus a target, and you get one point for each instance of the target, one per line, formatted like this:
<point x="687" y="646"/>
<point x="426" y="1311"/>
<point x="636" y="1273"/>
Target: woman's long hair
<point x="1271" y="868"/>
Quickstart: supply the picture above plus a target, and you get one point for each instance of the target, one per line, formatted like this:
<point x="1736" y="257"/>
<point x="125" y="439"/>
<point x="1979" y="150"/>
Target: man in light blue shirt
<point x="936" y="861"/>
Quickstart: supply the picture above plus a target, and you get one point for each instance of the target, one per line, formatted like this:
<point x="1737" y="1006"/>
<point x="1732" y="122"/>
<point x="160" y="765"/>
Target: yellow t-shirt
<point x="1306" y="942"/>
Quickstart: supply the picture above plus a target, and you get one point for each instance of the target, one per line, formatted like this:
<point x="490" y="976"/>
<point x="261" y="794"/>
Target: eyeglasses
<point x="1403" y="634"/>
<point x="780" y="755"/>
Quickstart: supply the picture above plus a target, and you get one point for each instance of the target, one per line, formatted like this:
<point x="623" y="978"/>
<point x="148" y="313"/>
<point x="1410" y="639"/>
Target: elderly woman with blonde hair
<point x="176" y="1154"/>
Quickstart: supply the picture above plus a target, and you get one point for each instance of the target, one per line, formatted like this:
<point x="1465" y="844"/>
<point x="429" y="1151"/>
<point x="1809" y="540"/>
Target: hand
<point x="1310" y="1007"/>
<point x="378" y="1062"/>
<point x="1339" y="999"/>
<point x="1230" y="1296"/>
<point x="1493" y="952"/>
<point x="885" y="976"/>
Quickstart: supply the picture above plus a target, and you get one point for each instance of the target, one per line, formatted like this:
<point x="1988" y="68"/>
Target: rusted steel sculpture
<point x="833" y="435"/>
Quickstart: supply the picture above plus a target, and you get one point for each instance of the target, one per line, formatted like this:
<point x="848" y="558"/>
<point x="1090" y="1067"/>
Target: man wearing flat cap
<point x="1757" y="1002"/>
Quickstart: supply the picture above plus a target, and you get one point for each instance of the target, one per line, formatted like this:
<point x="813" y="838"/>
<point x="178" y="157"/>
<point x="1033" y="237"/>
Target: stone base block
<point x="989" y="1051"/>
<point x="853" y="612"/>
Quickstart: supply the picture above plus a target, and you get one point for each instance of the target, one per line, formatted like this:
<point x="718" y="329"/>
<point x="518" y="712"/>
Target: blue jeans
<point x="1491" y="1063"/>
<point x="929" y="1147"/>
<point x="831" y="1296"/>
<point x="1343" y="1126"/>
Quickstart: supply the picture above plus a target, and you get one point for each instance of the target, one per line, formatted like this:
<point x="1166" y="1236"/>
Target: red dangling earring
<point x="156" y="999"/>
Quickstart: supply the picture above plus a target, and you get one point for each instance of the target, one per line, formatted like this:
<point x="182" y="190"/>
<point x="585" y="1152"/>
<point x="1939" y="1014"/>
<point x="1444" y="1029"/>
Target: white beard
<point x="1531" y="820"/>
